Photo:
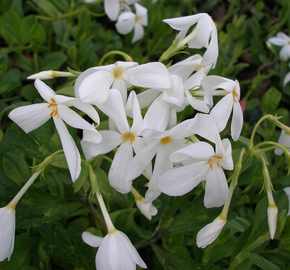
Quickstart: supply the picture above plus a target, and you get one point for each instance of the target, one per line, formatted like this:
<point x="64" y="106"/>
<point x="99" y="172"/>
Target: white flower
<point x="204" y="34"/>
<point x="206" y="164"/>
<point x="113" y="7"/>
<point x="128" y="20"/>
<point x="162" y="145"/>
<point x="287" y="190"/>
<point x="93" y="85"/>
<point x="33" y="116"/>
<point x="272" y="219"/>
<point x="284" y="140"/>
<point x="125" y="136"/>
<point x="222" y="110"/>
<point x="210" y="232"/>
<point x="7" y="232"/>
<point x="116" y="252"/>
<point x="49" y="74"/>
<point x="282" y="40"/>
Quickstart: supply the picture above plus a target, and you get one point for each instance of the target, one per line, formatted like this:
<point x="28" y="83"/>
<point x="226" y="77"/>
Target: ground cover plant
<point x="149" y="134"/>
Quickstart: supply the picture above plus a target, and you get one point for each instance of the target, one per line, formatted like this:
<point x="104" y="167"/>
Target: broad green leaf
<point x="271" y="100"/>
<point x="62" y="5"/>
<point x="173" y="261"/>
<point x="68" y="248"/>
<point x="103" y="182"/>
<point x="38" y="35"/>
<point x="53" y="61"/>
<point x="16" y="168"/>
<point x="38" y="207"/>
<point x="84" y="52"/>
<point x="22" y="246"/>
<point x="23" y="62"/>
<point x="10" y="27"/>
<point x="47" y="8"/>
<point x="26" y="25"/>
<point x="262" y="262"/>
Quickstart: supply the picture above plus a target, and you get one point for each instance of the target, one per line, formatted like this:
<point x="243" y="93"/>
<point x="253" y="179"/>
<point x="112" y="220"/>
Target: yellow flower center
<point x="128" y="137"/>
<point x="138" y="19"/>
<point x="214" y="160"/>
<point x="165" y="140"/>
<point x="118" y="73"/>
<point x="53" y="107"/>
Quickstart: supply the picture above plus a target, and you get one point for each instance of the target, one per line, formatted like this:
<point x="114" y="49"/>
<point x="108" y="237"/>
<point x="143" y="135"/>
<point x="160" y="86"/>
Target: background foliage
<point x="55" y="34"/>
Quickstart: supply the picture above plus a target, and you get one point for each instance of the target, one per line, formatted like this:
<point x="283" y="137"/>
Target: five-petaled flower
<point x="31" y="117"/>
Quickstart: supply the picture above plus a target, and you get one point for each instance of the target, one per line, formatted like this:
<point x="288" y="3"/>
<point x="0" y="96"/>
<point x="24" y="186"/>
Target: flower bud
<point x="272" y="219"/>
<point x="49" y="74"/>
<point x="210" y="232"/>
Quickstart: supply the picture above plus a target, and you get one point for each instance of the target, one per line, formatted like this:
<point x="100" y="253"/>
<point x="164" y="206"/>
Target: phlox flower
<point x="284" y="41"/>
<point x="162" y="144"/>
<point x="49" y="74"/>
<point x="222" y="110"/>
<point x="204" y="34"/>
<point x="203" y="164"/>
<point x="128" y="20"/>
<point x="115" y="252"/>
<point x="31" y="117"/>
<point x="125" y="136"/>
<point x="7" y="232"/>
<point x="93" y="85"/>
<point x="210" y="232"/>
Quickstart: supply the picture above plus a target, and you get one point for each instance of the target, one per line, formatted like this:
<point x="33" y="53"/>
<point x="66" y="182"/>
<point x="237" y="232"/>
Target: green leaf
<point x="22" y="246"/>
<point x="3" y="63"/>
<point x="173" y="261"/>
<point x="103" y="182"/>
<point x="38" y="207"/>
<point x="47" y="7"/>
<point x="82" y="178"/>
<point x="67" y="247"/>
<point x="38" y="35"/>
<point x="16" y="168"/>
<point x="271" y="100"/>
<point x="66" y="91"/>
<point x="10" y="27"/>
<point x="53" y="61"/>
<point x="23" y="62"/>
<point x="26" y="25"/>
<point x="262" y="262"/>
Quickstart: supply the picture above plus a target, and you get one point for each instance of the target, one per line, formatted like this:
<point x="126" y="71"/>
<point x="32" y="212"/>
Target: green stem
<point x="255" y="129"/>
<point x="126" y="56"/>
<point x="100" y="158"/>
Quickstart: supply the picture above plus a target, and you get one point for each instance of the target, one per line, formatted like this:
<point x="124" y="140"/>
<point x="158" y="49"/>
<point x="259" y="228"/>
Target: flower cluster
<point x="160" y="92"/>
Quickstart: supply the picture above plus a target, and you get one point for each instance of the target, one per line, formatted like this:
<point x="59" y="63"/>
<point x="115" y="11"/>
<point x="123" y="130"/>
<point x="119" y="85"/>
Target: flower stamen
<point x="165" y="140"/>
<point x="128" y="137"/>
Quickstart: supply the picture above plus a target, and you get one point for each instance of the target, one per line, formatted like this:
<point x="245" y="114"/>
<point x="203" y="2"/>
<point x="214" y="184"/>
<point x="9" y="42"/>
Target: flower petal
<point x="237" y="121"/>
<point x="180" y="181"/>
<point x="70" y="149"/>
<point x="222" y="110"/>
<point x="216" y="188"/>
<point x="126" y="22"/>
<point x="44" y="90"/>
<point x="118" y="168"/>
<point x="112" y="9"/>
<point x="110" y="140"/>
<point x="150" y="75"/>
<point x="30" y="117"/>
<point x="92" y="240"/>
<point x="138" y="32"/>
